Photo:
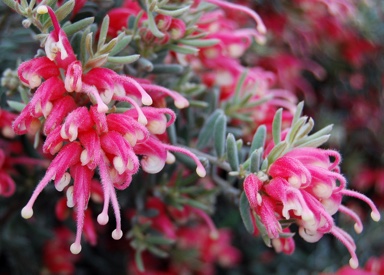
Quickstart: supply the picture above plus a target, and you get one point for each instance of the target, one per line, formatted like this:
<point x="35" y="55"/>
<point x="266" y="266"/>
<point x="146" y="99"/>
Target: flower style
<point x="305" y="186"/>
<point x="85" y="134"/>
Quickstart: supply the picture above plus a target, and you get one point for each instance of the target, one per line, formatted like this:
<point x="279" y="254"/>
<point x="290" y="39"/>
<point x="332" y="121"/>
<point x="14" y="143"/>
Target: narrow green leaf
<point x="123" y="59"/>
<point x="293" y="132"/>
<point x="312" y="142"/>
<point x="263" y="231"/>
<point x="96" y="62"/>
<point x="172" y="136"/>
<point x="276" y="126"/>
<point x="24" y="95"/>
<point x="259" y="137"/>
<point x="64" y="10"/>
<point x="159" y="240"/>
<point x="206" y="132"/>
<point x="183" y="49"/>
<point x="158" y="252"/>
<point x="194" y="203"/>
<point x="144" y="64"/>
<point x="153" y="27"/>
<point x="172" y="13"/>
<point x="83" y="51"/>
<point x="167" y="69"/>
<point x="200" y="43"/>
<point x="220" y="129"/>
<point x="277" y="151"/>
<point x="139" y="261"/>
<point x="255" y="161"/>
<point x="61" y="13"/>
<point x="108" y="47"/>
<point x="324" y="131"/>
<point x="243" y="117"/>
<point x="78" y="26"/>
<point x="245" y="213"/>
<point x="51" y="3"/>
<point x="17" y="106"/>
<point x="239" y="85"/>
<point x="232" y="153"/>
<point x="298" y="112"/>
<point x="305" y="129"/>
<point x="239" y="145"/>
<point x="89" y="44"/>
<point x="103" y="32"/>
<point x="123" y="41"/>
<point x="10" y="3"/>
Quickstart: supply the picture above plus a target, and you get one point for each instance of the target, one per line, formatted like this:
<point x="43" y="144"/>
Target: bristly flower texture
<point x="84" y="133"/>
<point x="304" y="186"/>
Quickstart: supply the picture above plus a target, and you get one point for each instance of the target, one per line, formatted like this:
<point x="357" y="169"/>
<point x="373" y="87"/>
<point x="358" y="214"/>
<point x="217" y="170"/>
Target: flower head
<point x="307" y="183"/>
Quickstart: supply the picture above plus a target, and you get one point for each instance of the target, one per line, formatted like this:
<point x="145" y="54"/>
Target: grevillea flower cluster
<point x="303" y="186"/>
<point x="82" y="133"/>
<point x="169" y="112"/>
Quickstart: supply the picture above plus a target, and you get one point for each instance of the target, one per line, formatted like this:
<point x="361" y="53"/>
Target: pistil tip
<point x="146" y="100"/>
<point x="201" y="171"/>
<point x="358" y="228"/>
<point x="375" y="216"/>
<point x="353" y="263"/>
<point x="214" y="235"/>
<point x="117" y="234"/>
<point x="75" y="248"/>
<point x="102" y="219"/>
<point x="181" y="103"/>
<point x="170" y="158"/>
<point x="42" y="9"/>
<point x="27" y="212"/>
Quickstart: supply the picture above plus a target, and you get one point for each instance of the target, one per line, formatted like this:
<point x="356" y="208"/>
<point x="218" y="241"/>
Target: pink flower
<point x="304" y="186"/>
<point x="85" y="134"/>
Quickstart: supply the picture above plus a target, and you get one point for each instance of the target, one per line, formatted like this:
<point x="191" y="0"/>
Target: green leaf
<point x="158" y="252"/>
<point x="239" y="85"/>
<point x="232" y="153"/>
<point x="172" y="13"/>
<point x="206" y="131"/>
<point x="324" y="131"/>
<point x="255" y="160"/>
<point x="17" y="106"/>
<point x="61" y="13"/>
<point x="103" y="32"/>
<point x="312" y="142"/>
<point x="123" y="59"/>
<point x="262" y="230"/>
<point x="259" y="137"/>
<point x="245" y="213"/>
<point x="183" y="49"/>
<point x="159" y="240"/>
<point x="145" y="65"/>
<point x="139" y="261"/>
<point x="153" y="27"/>
<point x="191" y="202"/>
<point x="200" y="43"/>
<point x="298" y="113"/>
<point x="167" y="69"/>
<point x="123" y="41"/>
<point x="306" y="129"/>
<point x="277" y="151"/>
<point x="10" y="3"/>
<point x="220" y="129"/>
<point x="108" y="47"/>
<point x="96" y="62"/>
<point x="276" y="126"/>
<point x="78" y="26"/>
<point x="293" y="133"/>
